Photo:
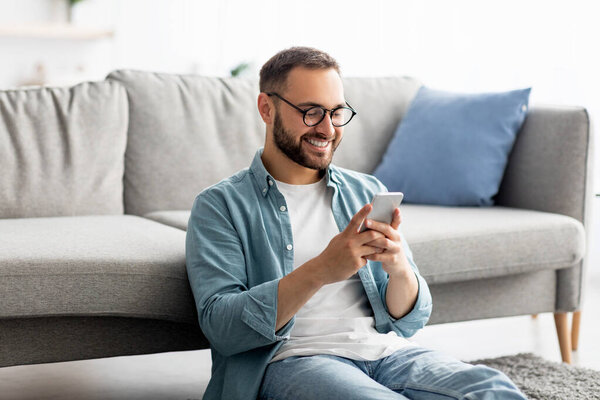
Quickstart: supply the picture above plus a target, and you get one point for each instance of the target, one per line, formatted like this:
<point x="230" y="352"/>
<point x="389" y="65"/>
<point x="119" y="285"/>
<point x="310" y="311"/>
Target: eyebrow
<point x="313" y="104"/>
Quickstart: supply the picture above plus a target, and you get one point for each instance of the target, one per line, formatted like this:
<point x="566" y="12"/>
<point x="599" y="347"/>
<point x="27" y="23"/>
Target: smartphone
<point x="384" y="204"/>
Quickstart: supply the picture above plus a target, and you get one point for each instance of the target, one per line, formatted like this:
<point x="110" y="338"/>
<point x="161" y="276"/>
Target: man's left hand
<point x="403" y="287"/>
<point x="392" y="257"/>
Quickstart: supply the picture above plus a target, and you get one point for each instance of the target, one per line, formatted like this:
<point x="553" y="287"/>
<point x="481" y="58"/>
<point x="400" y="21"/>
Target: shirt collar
<point x="333" y="176"/>
<point x="265" y="180"/>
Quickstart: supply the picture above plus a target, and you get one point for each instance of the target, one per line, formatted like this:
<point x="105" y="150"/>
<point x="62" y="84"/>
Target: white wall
<point x="460" y="45"/>
<point x="64" y="61"/>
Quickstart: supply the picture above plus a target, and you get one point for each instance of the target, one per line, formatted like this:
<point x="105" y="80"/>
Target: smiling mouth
<point x="319" y="143"/>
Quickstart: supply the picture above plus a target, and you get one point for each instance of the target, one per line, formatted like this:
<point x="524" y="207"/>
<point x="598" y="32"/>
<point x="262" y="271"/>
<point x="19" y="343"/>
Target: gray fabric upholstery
<point x="146" y="143"/>
<point x="93" y="265"/>
<point x="452" y="244"/>
<point x="168" y="162"/>
<point x="54" y="339"/>
<point x="504" y="296"/>
<point x="569" y="288"/>
<point x="550" y="170"/>
<point x="61" y="150"/>
<point x="177" y="219"/>
<point x="547" y="169"/>
<point x="186" y="132"/>
<point x="570" y="281"/>
<point x="380" y="103"/>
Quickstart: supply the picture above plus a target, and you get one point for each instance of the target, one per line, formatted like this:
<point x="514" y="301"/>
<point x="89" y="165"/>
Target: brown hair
<point x="274" y="73"/>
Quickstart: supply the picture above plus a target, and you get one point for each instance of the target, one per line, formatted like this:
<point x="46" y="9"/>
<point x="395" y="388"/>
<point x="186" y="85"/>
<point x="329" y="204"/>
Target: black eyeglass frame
<point x="325" y="110"/>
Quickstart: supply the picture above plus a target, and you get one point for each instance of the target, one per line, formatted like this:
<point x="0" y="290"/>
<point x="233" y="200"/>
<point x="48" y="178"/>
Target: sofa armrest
<point x="549" y="168"/>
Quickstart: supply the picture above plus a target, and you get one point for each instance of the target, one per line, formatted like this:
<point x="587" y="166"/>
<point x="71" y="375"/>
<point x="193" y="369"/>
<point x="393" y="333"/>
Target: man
<point x="295" y="302"/>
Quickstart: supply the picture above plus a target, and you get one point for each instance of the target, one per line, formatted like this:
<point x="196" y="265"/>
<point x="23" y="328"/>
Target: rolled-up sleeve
<point x="233" y="317"/>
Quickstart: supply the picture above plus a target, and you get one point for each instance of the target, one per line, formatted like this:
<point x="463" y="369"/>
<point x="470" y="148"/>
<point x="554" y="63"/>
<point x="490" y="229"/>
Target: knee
<point x="488" y="383"/>
<point x="491" y="374"/>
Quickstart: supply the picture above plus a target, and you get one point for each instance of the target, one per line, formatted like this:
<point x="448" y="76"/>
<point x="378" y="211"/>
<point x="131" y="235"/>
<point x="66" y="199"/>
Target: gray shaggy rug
<point x="540" y="379"/>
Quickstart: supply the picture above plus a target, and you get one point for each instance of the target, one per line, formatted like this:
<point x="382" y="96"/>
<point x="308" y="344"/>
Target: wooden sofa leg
<point x="575" y="330"/>
<point x="564" y="337"/>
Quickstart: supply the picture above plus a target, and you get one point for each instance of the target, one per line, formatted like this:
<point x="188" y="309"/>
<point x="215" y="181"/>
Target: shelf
<point x="54" y="31"/>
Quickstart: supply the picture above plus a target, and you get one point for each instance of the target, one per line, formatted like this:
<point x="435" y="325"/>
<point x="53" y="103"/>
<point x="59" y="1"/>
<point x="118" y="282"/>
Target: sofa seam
<point x="97" y="314"/>
<point x="94" y="273"/>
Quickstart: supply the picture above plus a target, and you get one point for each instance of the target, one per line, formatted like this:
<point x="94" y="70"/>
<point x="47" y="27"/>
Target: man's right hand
<point x="346" y="252"/>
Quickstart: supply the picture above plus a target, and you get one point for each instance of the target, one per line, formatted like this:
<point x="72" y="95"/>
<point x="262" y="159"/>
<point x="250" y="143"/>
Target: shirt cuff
<point x="260" y="312"/>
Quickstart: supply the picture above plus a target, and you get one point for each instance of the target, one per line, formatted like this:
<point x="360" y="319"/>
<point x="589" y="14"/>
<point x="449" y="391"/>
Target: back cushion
<point x="61" y="150"/>
<point x="186" y="132"/>
<point x="380" y="103"/>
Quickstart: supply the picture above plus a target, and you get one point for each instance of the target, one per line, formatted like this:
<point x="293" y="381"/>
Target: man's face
<point x="310" y="147"/>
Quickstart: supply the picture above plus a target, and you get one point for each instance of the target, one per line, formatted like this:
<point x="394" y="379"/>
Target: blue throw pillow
<point x="451" y="149"/>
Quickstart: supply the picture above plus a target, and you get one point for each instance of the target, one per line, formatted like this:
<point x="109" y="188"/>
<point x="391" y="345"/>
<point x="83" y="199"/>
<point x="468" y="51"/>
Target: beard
<point x="296" y="152"/>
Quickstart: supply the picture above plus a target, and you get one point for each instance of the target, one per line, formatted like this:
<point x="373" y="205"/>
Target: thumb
<point x="358" y="218"/>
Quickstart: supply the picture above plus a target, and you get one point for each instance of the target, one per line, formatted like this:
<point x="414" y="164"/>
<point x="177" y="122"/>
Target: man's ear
<point x="266" y="108"/>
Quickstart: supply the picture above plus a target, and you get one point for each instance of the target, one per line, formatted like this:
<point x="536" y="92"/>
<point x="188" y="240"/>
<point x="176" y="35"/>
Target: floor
<point x="181" y="376"/>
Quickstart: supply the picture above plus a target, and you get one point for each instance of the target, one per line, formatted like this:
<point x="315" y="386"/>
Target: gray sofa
<point x="97" y="181"/>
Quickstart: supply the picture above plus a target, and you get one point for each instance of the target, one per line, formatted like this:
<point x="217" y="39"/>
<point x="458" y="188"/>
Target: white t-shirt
<point x="338" y="319"/>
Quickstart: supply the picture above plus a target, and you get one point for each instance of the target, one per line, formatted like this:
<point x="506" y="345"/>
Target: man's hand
<point x="403" y="286"/>
<point x="348" y="251"/>
<point x="390" y="254"/>
<point x="345" y="254"/>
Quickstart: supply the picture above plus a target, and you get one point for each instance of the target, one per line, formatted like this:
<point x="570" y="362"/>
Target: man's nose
<point x="326" y="125"/>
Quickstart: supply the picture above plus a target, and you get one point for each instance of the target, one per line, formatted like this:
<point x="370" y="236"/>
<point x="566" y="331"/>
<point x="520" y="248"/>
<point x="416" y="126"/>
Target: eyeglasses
<point x="313" y="116"/>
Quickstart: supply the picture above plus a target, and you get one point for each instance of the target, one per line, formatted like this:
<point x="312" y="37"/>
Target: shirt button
<point x="270" y="182"/>
<point x="265" y="190"/>
<point x="282" y="208"/>
<point x="289" y="247"/>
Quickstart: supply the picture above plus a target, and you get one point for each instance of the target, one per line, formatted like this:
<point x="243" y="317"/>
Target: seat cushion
<point x="452" y="244"/>
<point x="62" y="150"/>
<point x="94" y="265"/>
<point x="177" y="219"/>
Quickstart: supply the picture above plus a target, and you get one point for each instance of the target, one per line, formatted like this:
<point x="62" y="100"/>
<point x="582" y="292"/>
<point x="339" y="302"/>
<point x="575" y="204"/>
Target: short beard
<point x="285" y="142"/>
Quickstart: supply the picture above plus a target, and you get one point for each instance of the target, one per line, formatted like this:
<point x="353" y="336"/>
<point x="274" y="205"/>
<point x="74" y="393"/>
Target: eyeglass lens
<point x="339" y="116"/>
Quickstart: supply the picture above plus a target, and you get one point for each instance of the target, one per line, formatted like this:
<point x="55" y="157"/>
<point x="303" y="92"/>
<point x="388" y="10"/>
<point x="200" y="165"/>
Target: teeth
<point x="317" y="143"/>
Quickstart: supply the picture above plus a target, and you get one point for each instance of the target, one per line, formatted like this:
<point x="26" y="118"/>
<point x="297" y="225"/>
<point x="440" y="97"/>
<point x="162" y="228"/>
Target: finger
<point x="386" y="246"/>
<point x="386" y="256"/>
<point x="396" y="219"/>
<point x="383" y="243"/>
<point x="382" y="227"/>
<point x="368" y="236"/>
<point x="372" y="257"/>
<point x="366" y="251"/>
<point x="358" y="218"/>
<point x="380" y="257"/>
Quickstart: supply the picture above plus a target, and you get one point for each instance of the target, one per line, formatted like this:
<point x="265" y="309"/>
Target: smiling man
<point x="295" y="302"/>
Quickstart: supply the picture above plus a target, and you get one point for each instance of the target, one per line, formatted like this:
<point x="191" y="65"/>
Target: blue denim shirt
<point x="239" y="245"/>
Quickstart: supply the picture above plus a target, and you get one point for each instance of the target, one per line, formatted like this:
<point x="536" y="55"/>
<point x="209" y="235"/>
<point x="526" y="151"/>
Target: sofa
<point x="98" y="179"/>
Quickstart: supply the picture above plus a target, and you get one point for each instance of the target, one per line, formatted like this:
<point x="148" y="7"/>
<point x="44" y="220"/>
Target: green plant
<point x="73" y="2"/>
<point x="238" y="69"/>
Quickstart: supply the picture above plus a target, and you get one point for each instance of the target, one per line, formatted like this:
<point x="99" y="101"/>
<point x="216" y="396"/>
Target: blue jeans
<point x="410" y="373"/>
